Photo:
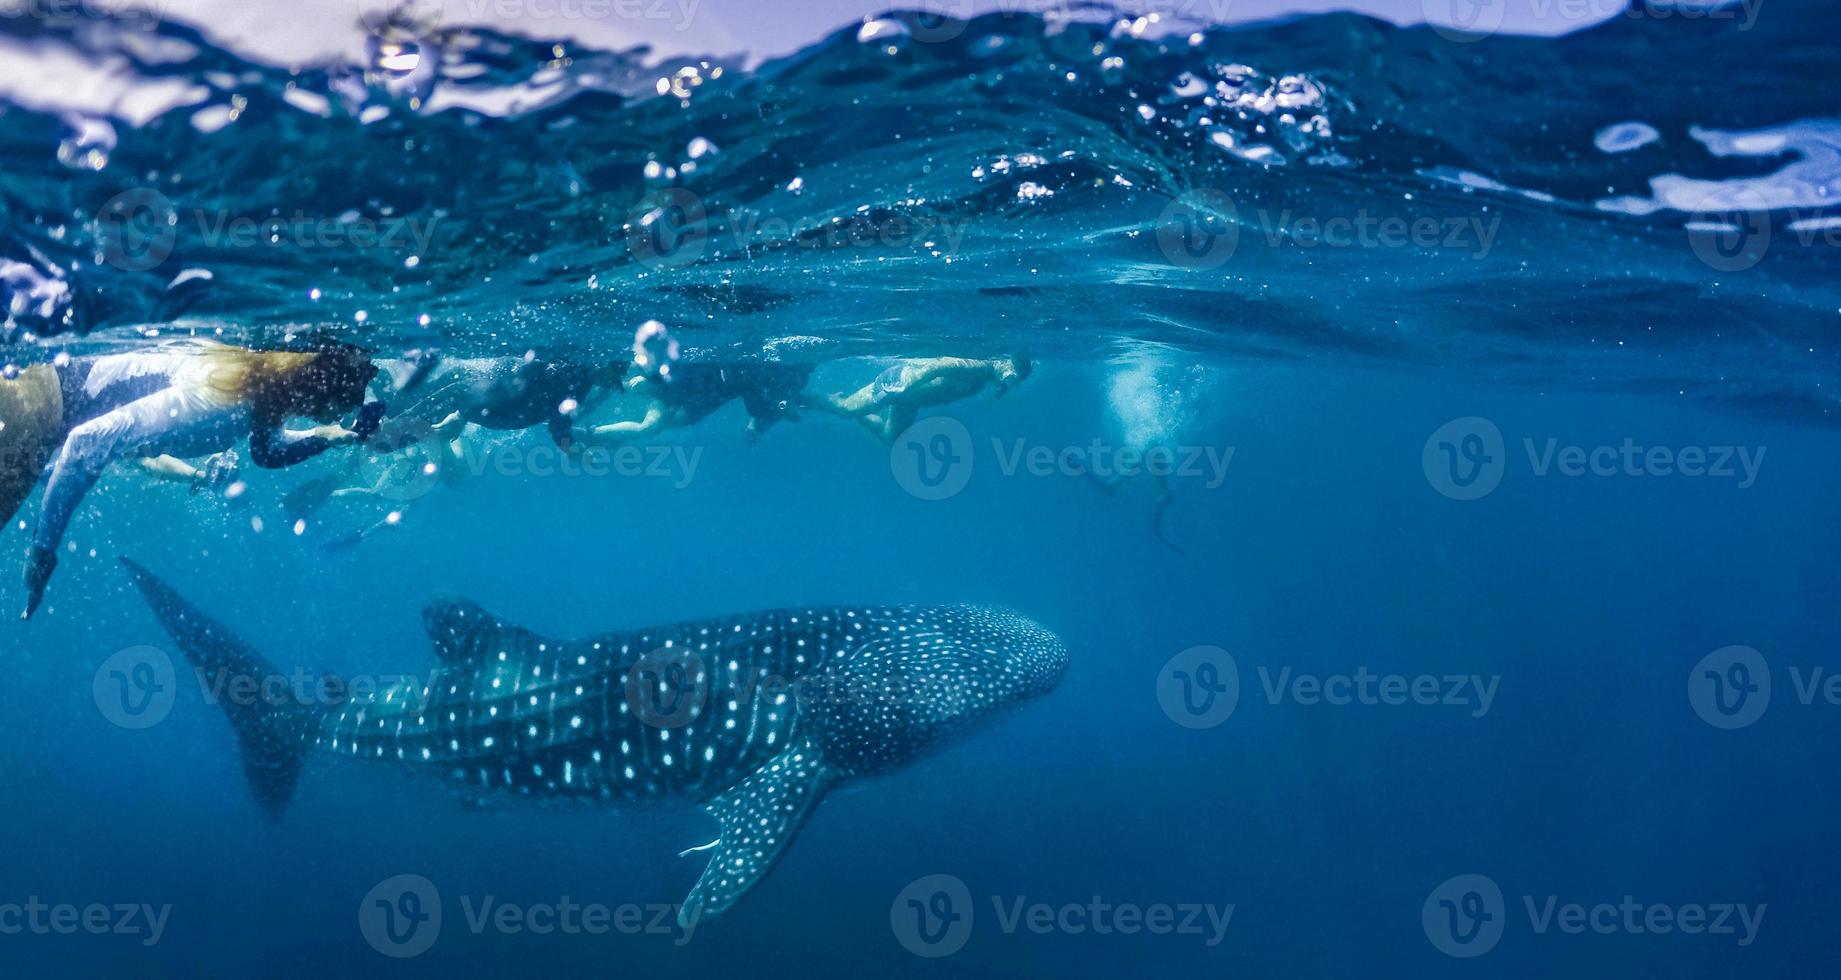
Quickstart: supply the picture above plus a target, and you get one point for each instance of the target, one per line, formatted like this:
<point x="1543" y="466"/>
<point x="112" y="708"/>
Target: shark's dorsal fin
<point x="759" y="816"/>
<point x="461" y="630"/>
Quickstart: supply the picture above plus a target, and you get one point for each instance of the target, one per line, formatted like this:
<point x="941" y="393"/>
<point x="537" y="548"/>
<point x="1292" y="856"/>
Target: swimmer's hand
<point x="370" y="417"/>
<point x="337" y="435"/>
<point x="219" y="472"/>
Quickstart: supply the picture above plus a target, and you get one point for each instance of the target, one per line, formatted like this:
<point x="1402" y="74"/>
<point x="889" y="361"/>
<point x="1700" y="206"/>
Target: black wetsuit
<point x="766" y="390"/>
<point x="514" y="394"/>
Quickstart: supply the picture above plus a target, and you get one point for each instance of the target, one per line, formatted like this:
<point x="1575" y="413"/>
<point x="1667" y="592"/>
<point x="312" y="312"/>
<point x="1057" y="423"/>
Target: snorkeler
<point x="38" y="408"/>
<point x="191" y="399"/>
<point x="453" y="398"/>
<point x="691" y="392"/>
<point x="890" y="404"/>
<point x="504" y="393"/>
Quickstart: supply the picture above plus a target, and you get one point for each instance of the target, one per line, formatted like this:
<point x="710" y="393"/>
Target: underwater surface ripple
<point x="1036" y="176"/>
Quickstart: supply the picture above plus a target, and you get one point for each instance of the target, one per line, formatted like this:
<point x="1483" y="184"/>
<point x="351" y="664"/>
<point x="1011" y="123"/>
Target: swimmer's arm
<point x="855" y="403"/>
<point x="274" y="447"/>
<point x="452" y="424"/>
<point x="615" y="433"/>
<point x="172" y="469"/>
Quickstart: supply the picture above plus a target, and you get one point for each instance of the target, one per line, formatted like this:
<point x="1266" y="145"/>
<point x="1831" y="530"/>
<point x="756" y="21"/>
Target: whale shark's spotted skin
<point x="712" y="701"/>
<point x="753" y="716"/>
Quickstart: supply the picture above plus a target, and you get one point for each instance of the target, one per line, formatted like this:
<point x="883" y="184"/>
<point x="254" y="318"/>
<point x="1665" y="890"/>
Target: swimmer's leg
<point x="1162" y="508"/>
<point x="896" y="420"/>
<point x="864" y="400"/>
<point x="1106" y="484"/>
<point x="79" y="465"/>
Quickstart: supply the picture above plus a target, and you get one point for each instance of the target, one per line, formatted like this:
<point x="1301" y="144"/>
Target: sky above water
<point x="289" y="31"/>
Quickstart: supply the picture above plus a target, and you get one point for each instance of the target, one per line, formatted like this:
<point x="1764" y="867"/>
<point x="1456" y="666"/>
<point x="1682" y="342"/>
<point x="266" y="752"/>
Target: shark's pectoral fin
<point x="759" y="817"/>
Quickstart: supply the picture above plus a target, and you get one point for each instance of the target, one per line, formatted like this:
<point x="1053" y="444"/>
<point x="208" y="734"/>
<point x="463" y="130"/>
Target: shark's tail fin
<point x="273" y="733"/>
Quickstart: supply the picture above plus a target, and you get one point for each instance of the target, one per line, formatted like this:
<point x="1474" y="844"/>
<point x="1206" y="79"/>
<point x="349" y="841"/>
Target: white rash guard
<point x="180" y="415"/>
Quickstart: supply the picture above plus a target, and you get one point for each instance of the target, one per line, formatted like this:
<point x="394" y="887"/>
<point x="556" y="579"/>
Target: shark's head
<point x="931" y="674"/>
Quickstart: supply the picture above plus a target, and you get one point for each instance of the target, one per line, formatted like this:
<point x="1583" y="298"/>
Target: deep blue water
<point x="1590" y="778"/>
<point x="1586" y="605"/>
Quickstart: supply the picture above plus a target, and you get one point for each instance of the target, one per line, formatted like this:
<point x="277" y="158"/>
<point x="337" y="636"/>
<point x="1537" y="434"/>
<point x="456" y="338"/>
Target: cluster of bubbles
<point x="684" y="82"/>
<point x="1155" y="397"/>
<point x="87" y="143"/>
<point x="697" y="152"/>
<point x="655" y="350"/>
<point x="1259" y="118"/>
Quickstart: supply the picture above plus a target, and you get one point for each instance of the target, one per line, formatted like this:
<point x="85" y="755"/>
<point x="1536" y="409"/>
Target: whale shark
<point x="753" y="717"/>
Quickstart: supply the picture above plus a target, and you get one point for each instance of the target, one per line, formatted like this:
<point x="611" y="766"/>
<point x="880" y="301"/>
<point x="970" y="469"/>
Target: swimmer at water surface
<point x="888" y="405"/>
<point x="183" y="400"/>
